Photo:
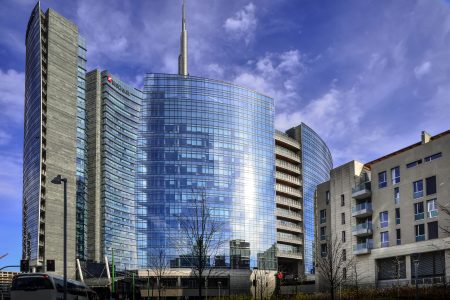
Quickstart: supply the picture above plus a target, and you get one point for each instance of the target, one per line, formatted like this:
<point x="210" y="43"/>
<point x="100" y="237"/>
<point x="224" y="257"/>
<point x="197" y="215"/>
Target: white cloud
<point x="12" y="84"/>
<point x="422" y="70"/>
<point x="4" y="137"/>
<point x="243" y="24"/>
<point x="276" y="75"/>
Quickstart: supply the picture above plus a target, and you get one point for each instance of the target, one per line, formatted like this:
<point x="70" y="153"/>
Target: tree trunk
<point x="200" y="286"/>
<point x="333" y="296"/>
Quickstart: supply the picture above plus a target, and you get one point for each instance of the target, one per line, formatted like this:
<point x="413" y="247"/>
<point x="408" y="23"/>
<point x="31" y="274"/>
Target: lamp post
<point x="57" y="180"/>
<point x="148" y="284"/>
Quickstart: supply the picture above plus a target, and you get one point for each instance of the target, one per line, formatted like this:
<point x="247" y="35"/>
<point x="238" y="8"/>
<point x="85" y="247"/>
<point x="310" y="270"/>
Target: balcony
<point x="289" y="214"/>
<point x="419" y="216"/>
<point x="362" y="210"/>
<point x="287" y="190"/>
<point x="288" y="179"/>
<point x="288" y="202"/>
<point x="362" y="190"/>
<point x="286" y="166"/>
<point x="289" y="254"/>
<point x="363" y="229"/>
<point x="363" y="248"/>
<point x="289" y="226"/>
<point x="420" y="238"/>
<point x="290" y="240"/>
<point x="284" y="153"/>
<point x="283" y="138"/>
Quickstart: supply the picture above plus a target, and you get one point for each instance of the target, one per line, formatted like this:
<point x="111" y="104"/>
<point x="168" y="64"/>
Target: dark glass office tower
<point x="201" y="135"/>
<point x="114" y="109"/>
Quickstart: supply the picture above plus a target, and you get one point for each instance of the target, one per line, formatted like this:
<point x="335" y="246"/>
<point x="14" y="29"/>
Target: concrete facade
<point x="58" y="103"/>
<point x="94" y="107"/>
<point x="289" y="204"/>
<point x="389" y="216"/>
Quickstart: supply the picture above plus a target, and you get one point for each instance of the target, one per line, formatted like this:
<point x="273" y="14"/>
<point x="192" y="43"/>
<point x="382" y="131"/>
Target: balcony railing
<point x="290" y="254"/>
<point x="419" y="216"/>
<point x="362" y="229"/>
<point x="288" y="190"/>
<point x="289" y="239"/>
<point x="363" y="248"/>
<point x="362" y="190"/>
<point x="418" y="194"/>
<point x="286" y="153"/>
<point x="281" y="136"/>
<point x="287" y="166"/>
<point x="289" y="226"/>
<point x="362" y="209"/>
<point x="420" y="238"/>
<point x="289" y="214"/>
<point x="288" y="202"/>
<point x="288" y="178"/>
<point x="432" y="214"/>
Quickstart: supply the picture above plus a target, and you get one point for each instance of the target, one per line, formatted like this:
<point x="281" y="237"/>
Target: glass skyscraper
<point x="196" y="136"/>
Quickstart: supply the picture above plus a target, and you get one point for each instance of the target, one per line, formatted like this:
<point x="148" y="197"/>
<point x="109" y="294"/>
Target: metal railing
<point x="281" y="136"/>
<point x="288" y="178"/>
<point x="288" y="202"/>
<point x="289" y="214"/>
<point x="287" y="166"/>
<point x="362" y="206"/>
<point x="362" y="186"/>
<point x="286" y="153"/>
<point x="287" y="189"/>
<point x="363" y="246"/>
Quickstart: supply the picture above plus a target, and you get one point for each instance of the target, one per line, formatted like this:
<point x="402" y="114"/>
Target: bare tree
<point x="333" y="265"/>
<point x="159" y="266"/>
<point x="202" y="238"/>
<point x="445" y="209"/>
<point x="398" y="261"/>
<point x="357" y="274"/>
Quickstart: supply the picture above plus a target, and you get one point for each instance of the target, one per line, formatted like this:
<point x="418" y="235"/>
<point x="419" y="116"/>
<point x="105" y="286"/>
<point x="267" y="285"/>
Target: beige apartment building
<point x="390" y="215"/>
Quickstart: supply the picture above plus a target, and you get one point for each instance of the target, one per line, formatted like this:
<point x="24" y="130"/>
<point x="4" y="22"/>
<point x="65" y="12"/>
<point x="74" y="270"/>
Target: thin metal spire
<point x="182" y="58"/>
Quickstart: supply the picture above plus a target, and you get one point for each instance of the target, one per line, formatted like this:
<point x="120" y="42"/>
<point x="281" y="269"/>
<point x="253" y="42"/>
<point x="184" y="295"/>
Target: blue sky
<point x="368" y="76"/>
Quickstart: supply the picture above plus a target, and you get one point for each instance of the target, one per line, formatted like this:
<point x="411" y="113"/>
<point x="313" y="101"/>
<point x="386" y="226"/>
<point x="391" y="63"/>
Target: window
<point x="417" y="189"/>
<point x="384" y="222"/>
<point x="342" y="218"/>
<point x="418" y="211"/>
<point x="323" y="250"/>
<point x="323" y="235"/>
<point x="344" y="273"/>
<point x="384" y="239"/>
<point x="397" y="215"/>
<point x="382" y="182"/>
<point x="342" y="200"/>
<point x="420" y="232"/>
<point x="344" y="255"/>
<point x="431" y="185"/>
<point x="395" y="175"/>
<point x="414" y="163"/>
<point x="327" y="197"/>
<point x="323" y="216"/>
<point x="397" y="195"/>
<point x="343" y="236"/>
<point x="432" y="230"/>
<point x="432" y="208"/>
<point x="399" y="237"/>
<point x="433" y="157"/>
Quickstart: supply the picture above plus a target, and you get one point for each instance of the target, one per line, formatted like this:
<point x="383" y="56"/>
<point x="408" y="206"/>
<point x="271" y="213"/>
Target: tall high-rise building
<point x="303" y="160"/>
<point x="113" y="113"/>
<point x="388" y="217"/>
<point x="54" y="135"/>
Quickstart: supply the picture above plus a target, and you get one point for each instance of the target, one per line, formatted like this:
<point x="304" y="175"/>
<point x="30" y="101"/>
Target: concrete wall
<point x="93" y="109"/>
<point x="61" y="138"/>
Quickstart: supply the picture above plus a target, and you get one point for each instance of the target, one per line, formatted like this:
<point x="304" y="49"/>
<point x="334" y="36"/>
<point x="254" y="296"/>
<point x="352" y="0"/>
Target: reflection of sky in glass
<point x="317" y="163"/>
<point x="199" y="134"/>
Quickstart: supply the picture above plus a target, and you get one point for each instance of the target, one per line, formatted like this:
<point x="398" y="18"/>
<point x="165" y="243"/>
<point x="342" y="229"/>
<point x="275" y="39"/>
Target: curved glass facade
<point x="198" y="134"/>
<point x="120" y="122"/>
<point x="32" y="138"/>
<point x="317" y="164"/>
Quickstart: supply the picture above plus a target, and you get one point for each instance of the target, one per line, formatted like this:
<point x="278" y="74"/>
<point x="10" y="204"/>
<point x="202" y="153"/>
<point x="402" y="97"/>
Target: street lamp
<point x="57" y="180"/>
<point x="255" y="281"/>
